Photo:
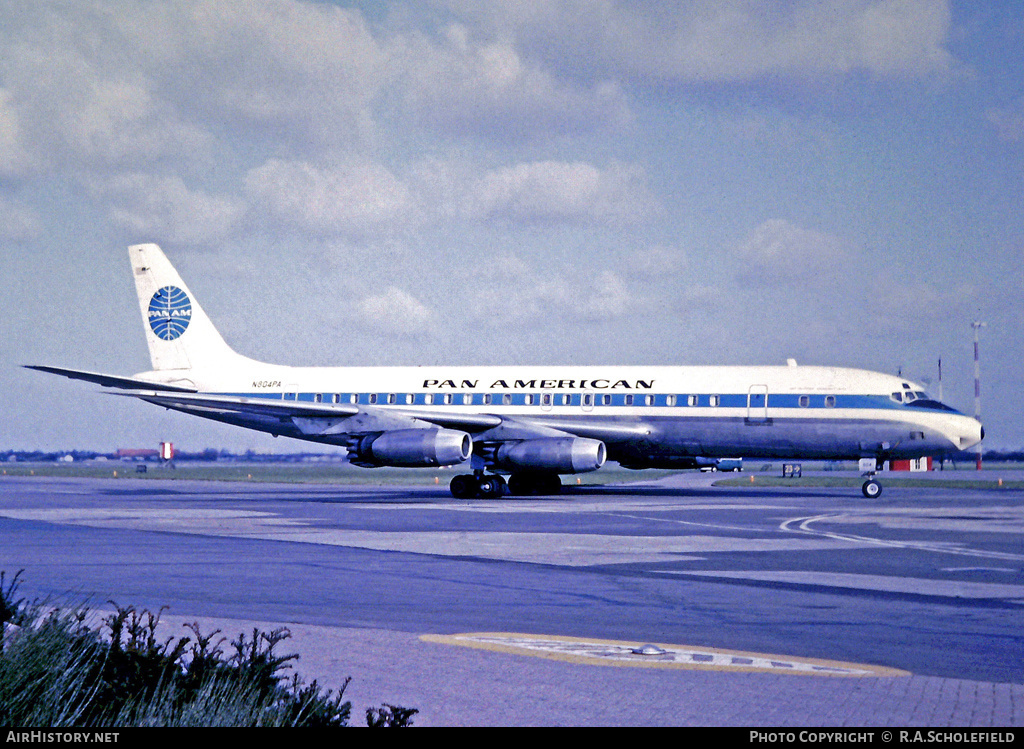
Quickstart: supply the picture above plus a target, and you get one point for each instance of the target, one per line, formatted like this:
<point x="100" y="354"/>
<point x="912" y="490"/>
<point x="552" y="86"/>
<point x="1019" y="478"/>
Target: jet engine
<point x="407" y="448"/>
<point x="558" y="454"/>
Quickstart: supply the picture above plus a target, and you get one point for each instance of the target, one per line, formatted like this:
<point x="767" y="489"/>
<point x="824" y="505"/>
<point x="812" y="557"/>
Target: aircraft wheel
<point x="491" y="487"/>
<point x="871" y="489"/>
<point x="463" y="486"/>
<point x="552" y="484"/>
<point x="533" y="484"/>
<point x="521" y="485"/>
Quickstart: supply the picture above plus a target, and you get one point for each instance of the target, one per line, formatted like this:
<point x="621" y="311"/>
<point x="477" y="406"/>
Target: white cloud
<point x="130" y="82"/>
<point x="1008" y="121"/>
<point x="833" y="287"/>
<point x="564" y="191"/>
<point x="739" y="41"/>
<point x="491" y="89"/>
<point x="656" y="262"/>
<point x="358" y="199"/>
<point x="165" y="209"/>
<point x="779" y="251"/>
<point x="14" y="156"/>
<point x="396" y="311"/>
<point x="311" y="68"/>
<point x="352" y="199"/>
<point x="18" y="222"/>
<point x="508" y="290"/>
<point x="83" y="100"/>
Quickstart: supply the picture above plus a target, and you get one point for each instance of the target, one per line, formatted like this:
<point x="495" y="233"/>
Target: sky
<point x="545" y="182"/>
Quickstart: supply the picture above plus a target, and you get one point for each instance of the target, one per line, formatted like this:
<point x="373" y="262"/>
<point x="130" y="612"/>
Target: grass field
<point x="274" y="472"/>
<point x="995" y="475"/>
<point x="990" y="481"/>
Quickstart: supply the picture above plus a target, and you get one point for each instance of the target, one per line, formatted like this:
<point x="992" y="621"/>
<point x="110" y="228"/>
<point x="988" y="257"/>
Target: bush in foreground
<point x="57" y="671"/>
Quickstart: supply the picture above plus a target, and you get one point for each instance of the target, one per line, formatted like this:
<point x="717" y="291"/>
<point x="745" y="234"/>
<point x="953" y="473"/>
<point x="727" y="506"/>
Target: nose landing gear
<point x="871" y="489"/>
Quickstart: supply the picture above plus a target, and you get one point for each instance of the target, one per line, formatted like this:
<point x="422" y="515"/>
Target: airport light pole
<point x="977" y="381"/>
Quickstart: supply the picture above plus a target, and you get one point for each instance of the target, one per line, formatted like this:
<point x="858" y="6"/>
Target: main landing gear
<point x="481" y="485"/>
<point x="478" y="485"/>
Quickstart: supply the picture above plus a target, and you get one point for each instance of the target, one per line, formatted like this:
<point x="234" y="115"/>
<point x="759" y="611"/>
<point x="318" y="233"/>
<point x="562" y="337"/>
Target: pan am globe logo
<point x="170" y="311"/>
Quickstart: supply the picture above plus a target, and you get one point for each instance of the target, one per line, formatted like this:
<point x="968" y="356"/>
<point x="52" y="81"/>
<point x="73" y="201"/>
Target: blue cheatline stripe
<point x="658" y="400"/>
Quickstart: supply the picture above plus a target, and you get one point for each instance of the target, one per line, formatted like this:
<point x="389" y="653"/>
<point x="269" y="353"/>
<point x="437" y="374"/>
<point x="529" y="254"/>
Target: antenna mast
<point x="977" y="381"/>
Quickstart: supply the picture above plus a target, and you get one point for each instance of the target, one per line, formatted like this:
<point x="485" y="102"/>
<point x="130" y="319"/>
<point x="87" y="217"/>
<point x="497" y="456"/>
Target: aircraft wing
<point x="516" y="427"/>
<point x="305" y="410"/>
<point x="114" y="381"/>
<point x="177" y="397"/>
<point x="596" y="430"/>
<point x="243" y="405"/>
<point x="465" y="422"/>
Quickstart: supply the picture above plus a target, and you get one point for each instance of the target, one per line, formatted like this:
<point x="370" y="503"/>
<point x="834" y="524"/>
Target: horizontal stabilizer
<point x="110" y="381"/>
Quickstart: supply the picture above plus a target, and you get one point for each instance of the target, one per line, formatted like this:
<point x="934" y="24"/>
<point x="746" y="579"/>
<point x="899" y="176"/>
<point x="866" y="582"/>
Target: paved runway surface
<point x="764" y="606"/>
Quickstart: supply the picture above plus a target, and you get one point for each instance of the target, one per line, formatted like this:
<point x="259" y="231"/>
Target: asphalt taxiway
<point x="668" y="603"/>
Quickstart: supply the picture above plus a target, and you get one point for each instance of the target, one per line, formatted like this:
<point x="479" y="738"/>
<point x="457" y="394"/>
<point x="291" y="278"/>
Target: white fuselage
<point x="644" y="414"/>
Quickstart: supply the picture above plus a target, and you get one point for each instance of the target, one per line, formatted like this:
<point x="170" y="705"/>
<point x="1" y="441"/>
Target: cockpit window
<point x="909" y="396"/>
<point x="933" y="405"/>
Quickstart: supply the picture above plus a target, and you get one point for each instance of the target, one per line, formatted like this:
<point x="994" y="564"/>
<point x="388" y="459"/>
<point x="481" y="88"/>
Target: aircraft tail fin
<point x="179" y="334"/>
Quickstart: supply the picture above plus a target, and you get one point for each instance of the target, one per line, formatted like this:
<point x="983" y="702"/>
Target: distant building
<point x="917" y="464"/>
<point x="137" y="453"/>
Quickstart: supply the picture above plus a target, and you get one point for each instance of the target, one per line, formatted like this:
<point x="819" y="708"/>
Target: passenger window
<point x="648" y="400"/>
<point x="318" y="398"/>
<point x="428" y="399"/>
<point x="467" y="399"/>
<point x="670" y="400"/>
<point x="714" y="401"/>
<point x="566" y="399"/>
<point x="606" y="400"/>
<point x="805" y="401"/>
<point x="588" y="399"/>
<point x="373" y="398"/>
<point x="629" y="399"/>
<point x="691" y="400"/>
<point x="506" y="399"/>
<point x="546" y="399"/>
<point x="447" y="399"/>
<point x="830" y="401"/>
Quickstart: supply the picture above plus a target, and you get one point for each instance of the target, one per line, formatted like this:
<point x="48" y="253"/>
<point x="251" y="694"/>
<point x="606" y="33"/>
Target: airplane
<point x="532" y="423"/>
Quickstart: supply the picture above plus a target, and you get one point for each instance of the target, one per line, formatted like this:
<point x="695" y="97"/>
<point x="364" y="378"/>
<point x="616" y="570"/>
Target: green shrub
<point x="56" y="671"/>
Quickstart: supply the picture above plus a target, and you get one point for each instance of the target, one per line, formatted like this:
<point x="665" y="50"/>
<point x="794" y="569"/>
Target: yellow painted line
<point x="621" y="653"/>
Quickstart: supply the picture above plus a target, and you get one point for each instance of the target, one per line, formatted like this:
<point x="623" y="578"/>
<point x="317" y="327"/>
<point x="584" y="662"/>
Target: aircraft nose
<point x="966" y="432"/>
<point x="972" y="435"/>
